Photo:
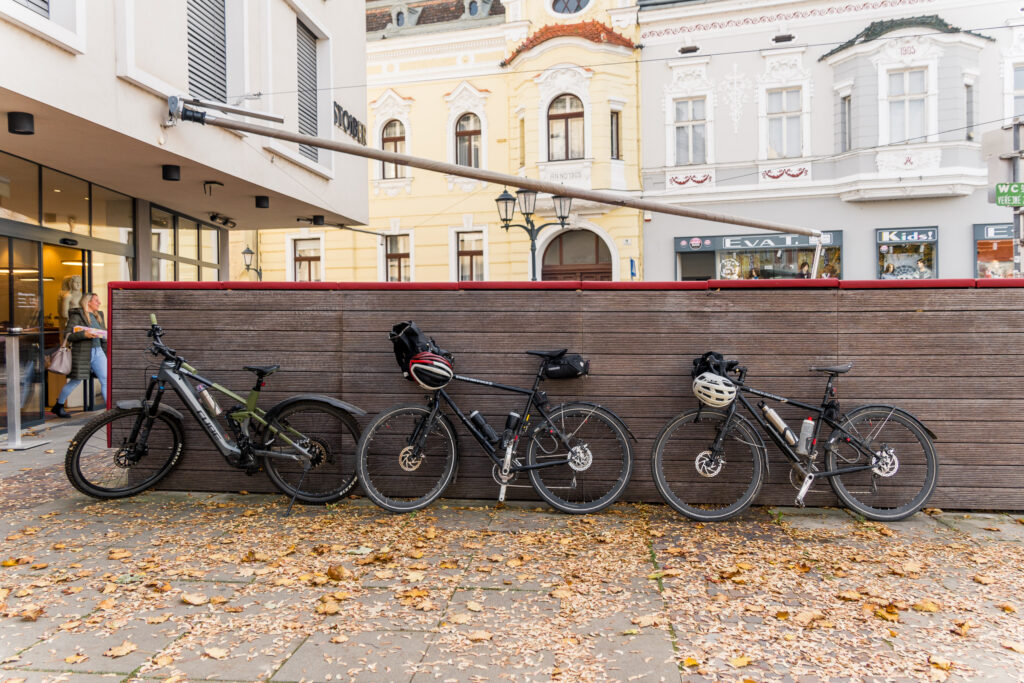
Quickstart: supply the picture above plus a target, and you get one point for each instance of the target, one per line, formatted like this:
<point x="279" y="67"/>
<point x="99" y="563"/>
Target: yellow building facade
<point x="545" y="89"/>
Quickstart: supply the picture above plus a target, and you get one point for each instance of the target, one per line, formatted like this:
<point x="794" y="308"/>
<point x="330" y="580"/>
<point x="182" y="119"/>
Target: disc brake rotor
<point x="409" y="462"/>
<point x="580" y="458"/>
<point x="708" y="466"/>
<point x="887" y="464"/>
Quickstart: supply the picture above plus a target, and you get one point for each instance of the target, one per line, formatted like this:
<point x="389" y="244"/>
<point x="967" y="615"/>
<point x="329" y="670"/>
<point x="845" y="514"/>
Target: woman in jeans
<point x="88" y="349"/>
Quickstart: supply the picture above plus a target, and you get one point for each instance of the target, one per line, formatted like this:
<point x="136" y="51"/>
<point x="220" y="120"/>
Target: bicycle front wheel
<point x="904" y="468"/>
<point x="696" y="482"/>
<point x="330" y="436"/>
<point x="102" y="462"/>
<point x="598" y="454"/>
<point x="406" y="459"/>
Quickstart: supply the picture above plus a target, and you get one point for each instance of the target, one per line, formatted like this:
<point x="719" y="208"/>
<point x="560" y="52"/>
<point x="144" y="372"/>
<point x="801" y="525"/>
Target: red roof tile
<point x="594" y="31"/>
<point x="434" y="12"/>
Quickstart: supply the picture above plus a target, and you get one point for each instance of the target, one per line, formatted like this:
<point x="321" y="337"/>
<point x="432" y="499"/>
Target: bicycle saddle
<point x="261" y="370"/>
<point x="551" y="355"/>
<point x="833" y="369"/>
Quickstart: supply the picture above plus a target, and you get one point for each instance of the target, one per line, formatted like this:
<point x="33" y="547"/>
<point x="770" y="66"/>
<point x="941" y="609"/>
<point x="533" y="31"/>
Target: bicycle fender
<point x="128" y="405"/>
<point x="340" y="405"/>
<point x="909" y="414"/>
<point x="621" y="422"/>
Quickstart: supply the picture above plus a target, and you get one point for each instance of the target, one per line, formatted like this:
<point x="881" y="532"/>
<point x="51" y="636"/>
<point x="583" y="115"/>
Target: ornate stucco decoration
<point x="735" y="92"/>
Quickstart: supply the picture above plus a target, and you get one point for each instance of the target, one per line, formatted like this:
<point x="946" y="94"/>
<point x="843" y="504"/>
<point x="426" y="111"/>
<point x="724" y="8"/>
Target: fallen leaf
<point x="127" y="647"/>
<point x="473" y="606"/>
<point x="218" y="600"/>
<point x="478" y="636"/>
<point x="164" y="660"/>
<point x="216" y="653"/>
<point x="194" y="599"/>
<point x="460" y="618"/>
<point x="1016" y="646"/>
<point x="340" y="638"/>
<point x="782" y="616"/>
<point x="940" y="662"/>
<point x="76" y="658"/>
<point x="888" y="613"/>
<point x="430" y="533"/>
<point x="926" y="605"/>
<point x="740" y="662"/>
<point x="849" y="595"/>
<point x="1005" y="606"/>
<point x="962" y="626"/>
<point x="645" y="620"/>
<point x="561" y="593"/>
<point x="426" y="605"/>
<point x="992" y="528"/>
<point x="31" y="613"/>
<point x="415" y="577"/>
<point x="106" y="604"/>
<point x="808" y="617"/>
<point x="414" y="554"/>
<point x="70" y="625"/>
<point x="118" y="554"/>
<point x="984" y="579"/>
<point x="327" y="607"/>
<point x="158" y="619"/>
<point x="690" y="661"/>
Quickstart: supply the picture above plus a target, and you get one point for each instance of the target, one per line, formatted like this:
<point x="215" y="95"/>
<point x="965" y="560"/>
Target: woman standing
<point x="88" y="349"/>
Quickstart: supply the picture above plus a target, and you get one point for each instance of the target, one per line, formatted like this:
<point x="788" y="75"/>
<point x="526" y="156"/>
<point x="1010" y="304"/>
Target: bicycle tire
<point x="331" y="435"/>
<point x="714" y="496"/>
<point x="399" y="487"/>
<point x="96" y="463"/>
<point x="605" y="459"/>
<point x="903" y="482"/>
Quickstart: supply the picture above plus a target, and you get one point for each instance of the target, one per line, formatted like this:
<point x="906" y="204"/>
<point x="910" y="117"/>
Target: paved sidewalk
<point x="189" y="587"/>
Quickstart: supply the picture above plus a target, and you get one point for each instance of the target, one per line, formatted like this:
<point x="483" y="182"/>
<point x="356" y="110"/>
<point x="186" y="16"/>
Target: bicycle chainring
<point x="409" y="462"/>
<point x="580" y="458"/>
<point x="887" y="464"/>
<point x="707" y="465"/>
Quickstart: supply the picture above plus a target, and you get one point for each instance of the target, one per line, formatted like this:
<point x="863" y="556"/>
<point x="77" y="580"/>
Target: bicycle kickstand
<point x="804" y="488"/>
<point x="305" y="469"/>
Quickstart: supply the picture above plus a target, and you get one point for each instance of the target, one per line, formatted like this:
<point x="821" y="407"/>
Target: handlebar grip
<point x="152" y="318"/>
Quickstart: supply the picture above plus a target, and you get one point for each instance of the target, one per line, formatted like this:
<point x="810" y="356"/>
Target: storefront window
<point x="162" y="270"/>
<point x="210" y="246"/>
<point x="65" y="202"/>
<point x="907" y="253"/>
<point x="993" y="250"/>
<point x="758" y="257"/>
<point x="112" y="216"/>
<point x="19" y="189"/>
<point x="162" y="231"/>
<point x="183" y="248"/>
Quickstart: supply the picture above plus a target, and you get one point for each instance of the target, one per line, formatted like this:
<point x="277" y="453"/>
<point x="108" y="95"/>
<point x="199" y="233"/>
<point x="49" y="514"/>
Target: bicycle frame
<point x="440" y="395"/>
<point x="173" y="374"/>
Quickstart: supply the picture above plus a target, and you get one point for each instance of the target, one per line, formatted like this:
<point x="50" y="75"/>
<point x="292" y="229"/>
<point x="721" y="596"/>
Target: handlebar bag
<point x="569" y="366"/>
<point x="711" y="361"/>
<point x="408" y="340"/>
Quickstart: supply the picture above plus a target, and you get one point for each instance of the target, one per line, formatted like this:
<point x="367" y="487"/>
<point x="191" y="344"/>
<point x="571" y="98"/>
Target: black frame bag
<point x="408" y="340"/>
<point x="569" y="366"/>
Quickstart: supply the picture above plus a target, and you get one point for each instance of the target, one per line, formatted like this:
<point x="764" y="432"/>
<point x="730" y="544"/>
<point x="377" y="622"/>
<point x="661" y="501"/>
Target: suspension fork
<point x="144" y="423"/>
<point x="716" y="445"/>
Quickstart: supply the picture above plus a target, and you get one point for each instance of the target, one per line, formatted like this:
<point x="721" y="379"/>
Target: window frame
<point x="785" y="115"/>
<point x="615" y="125"/>
<point x="401" y="256"/>
<point x="846" y="122"/>
<point x="397" y="145"/>
<point x="906" y="97"/>
<point x="293" y="260"/>
<point x="175" y="257"/>
<point x="689" y="125"/>
<point x="471" y="134"/>
<point x="566" y="119"/>
<point x="459" y="253"/>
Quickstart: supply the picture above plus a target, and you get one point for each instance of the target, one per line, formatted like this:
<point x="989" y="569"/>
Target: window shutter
<point x="306" y="44"/>
<point x="39" y="6"/>
<point x="207" y="50"/>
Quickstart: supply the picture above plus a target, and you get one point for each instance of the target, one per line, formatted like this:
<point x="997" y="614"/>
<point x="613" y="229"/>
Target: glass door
<point x="20" y="307"/>
<point x="63" y="285"/>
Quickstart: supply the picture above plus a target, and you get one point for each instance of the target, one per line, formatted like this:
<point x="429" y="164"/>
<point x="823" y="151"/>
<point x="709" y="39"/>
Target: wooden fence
<point x="949" y="351"/>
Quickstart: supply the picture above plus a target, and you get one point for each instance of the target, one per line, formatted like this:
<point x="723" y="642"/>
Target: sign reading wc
<point x="350" y="124"/>
<point x="1010" y="194"/>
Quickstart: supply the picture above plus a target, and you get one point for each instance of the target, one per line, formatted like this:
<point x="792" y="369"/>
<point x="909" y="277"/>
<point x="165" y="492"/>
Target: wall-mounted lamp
<point x="21" y="123"/>
<point x="171" y="172"/>
<point x="247" y="255"/>
<point x="68" y="241"/>
<point x="262" y="201"/>
<point x="318" y="220"/>
<point x="223" y="220"/>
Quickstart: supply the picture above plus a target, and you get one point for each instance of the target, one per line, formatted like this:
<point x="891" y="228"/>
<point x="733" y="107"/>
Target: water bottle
<point x="208" y="400"/>
<point x="803" y="446"/>
<point x="481" y="423"/>
<point x="779" y="424"/>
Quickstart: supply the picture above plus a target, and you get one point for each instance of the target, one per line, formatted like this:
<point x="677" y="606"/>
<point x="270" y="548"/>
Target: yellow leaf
<point x="340" y="638"/>
<point x="561" y="593"/>
<point x="984" y="579"/>
<point x="164" y="660"/>
<point x="478" y="636"/>
<point x="76" y="658"/>
<point x="430" y="533"/>
<point x="460" y="618"/>
<point x="690" y="661"/>
<point x="414" y="593"/>
<point x="782" y="616"/>
<point x="887" y="615"/>
<point x="216" y="653"/>
<point x="940" y="662"/>
<point x="926" y="605"/>
<point x="327" y="607"/>
<point x="740" y="662"/>
<point x="808" y="617"/>
<point x="127" y="647"/>
<point x="118" y="554"/>
<point x="415" y="577"/>
<point x="962" y="626"/>
<point x="194" y="599"/>
<point x="218" y="600"/>
<point x="70" y="625"/>
<point x="108" y="588"/>
<point x="1016" y="646"/>
<point x="849" y="595"/>
<point x="426" y="605"/>
<point x="645" y="620"/>
<point x="158" y="619"/>
<point x="473" y="606"/>
<point x="449" y="564"/>
<point x="336" y="572"/>
<point x="1005" y="606"/>
<point x="107" y="604"/>
<point x="414" y="554"/>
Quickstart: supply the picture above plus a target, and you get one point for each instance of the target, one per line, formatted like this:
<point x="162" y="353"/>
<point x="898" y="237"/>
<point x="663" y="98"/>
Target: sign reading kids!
<point x="1010" y="194"/>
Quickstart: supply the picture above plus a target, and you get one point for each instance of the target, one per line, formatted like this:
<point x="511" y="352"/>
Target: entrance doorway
<point x="20" y="307"/>
<point x="577" y="255"/>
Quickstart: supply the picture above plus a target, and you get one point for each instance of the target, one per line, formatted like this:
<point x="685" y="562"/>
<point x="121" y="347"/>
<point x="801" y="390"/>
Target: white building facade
<point x="863" y="119"/>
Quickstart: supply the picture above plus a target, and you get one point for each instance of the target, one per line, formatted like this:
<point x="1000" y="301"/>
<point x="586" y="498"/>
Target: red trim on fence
<point x="961" y="283"/>
<point x="110" y="344"/>
<point x="780" y="283"/>
<point x="999" y="284"/>
<point x="540" y="284"/>
<point x="685" y="284"/>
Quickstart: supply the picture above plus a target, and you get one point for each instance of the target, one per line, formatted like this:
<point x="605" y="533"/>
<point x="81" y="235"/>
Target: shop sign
<point x="350" y="124"/>
<point x="763" y="241"/>
<point x="903" y="235"/>
<point x="1010" y="194"/>
<point x="996" y="231"/>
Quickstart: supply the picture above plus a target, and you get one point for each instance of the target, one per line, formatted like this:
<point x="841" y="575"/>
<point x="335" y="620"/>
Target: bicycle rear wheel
<point x="101" y="463"/>
<point x="692" y="481"/>
<point x="905" y="470"/>
<point x="393" y="473"/>
<point x="599" y="459"/>
<point x="330" y="435"/>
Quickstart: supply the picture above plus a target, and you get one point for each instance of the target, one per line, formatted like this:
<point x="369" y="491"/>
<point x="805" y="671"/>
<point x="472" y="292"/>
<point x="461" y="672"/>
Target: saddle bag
<point x="569" y="366"/>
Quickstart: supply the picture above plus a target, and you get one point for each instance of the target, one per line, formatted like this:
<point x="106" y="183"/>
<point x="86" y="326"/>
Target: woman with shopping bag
<point x="86" y="333"/>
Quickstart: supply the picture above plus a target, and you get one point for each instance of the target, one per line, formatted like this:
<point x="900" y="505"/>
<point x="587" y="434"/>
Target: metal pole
<point x="1018" y="234"/>
<point x="14" y="442"/>
<point x="176" y="110"/>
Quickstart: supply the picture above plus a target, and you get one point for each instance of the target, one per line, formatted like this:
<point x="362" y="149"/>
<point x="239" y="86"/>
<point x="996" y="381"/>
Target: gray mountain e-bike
<point x="306" y="443"/>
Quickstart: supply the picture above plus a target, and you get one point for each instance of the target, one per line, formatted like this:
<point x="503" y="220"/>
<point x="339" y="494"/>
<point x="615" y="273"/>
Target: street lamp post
<point x="527" y="204"/>
<point x="247" y="255"/>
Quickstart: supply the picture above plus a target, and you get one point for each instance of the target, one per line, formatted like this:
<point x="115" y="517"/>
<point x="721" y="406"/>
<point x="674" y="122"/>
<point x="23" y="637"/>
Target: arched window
<point x="565" y="128"/>
<point x="467" y="141"/>
<point x="474" y="8"/>
<point x="400" y="19"/>
<point x="577" y="255"/>
<point x="393" y="140"/>
<point x="569" y="6"/>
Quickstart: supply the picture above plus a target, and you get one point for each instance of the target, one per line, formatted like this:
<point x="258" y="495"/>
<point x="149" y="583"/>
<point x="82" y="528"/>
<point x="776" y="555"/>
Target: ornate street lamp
<point x="247" y="255"/>
<point x="527" y="200"/>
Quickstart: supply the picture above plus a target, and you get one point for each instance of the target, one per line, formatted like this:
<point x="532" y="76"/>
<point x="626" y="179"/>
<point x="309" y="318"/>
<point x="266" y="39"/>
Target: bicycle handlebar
<point x="158" y="348"/>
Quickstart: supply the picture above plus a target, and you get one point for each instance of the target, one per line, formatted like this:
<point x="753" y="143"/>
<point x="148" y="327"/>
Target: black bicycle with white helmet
<point x="709" y="463"/>
<point x="578" y="455"/>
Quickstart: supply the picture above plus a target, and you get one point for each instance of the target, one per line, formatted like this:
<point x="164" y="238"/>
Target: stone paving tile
<point x="57" y="677"/>
<point x="475" y="609"/>
<point x="645" y="657"/>
<point x="455" y="659"/>
<point x="52" y="653"/>
<point x="245" y="657"/>
<point x="1000" y="528"/>
<point x="366" y="656"/>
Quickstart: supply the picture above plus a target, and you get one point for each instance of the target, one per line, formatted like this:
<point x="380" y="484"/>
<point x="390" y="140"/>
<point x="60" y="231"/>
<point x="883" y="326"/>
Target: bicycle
<point x="577" y="455"/>
<point x="709" y="463"/>
<point x="305" y="443"/>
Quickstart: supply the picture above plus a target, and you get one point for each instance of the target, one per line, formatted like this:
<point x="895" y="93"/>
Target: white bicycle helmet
<point x="714" y="390"/>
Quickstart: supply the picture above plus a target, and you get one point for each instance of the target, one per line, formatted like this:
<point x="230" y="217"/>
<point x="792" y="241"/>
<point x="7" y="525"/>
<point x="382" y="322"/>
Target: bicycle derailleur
<point x="246" y="451"/>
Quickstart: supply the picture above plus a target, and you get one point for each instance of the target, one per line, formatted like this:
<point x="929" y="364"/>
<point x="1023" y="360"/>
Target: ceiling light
<point x="171" y="172"/>
<point x="262" y="202"/>
<point x="19" y="271"/>
<point x="20" y="123"/>
<point x="72" y="263"/>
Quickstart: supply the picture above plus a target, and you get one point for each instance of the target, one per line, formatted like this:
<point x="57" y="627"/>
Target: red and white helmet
<point x="431" y="371"/>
